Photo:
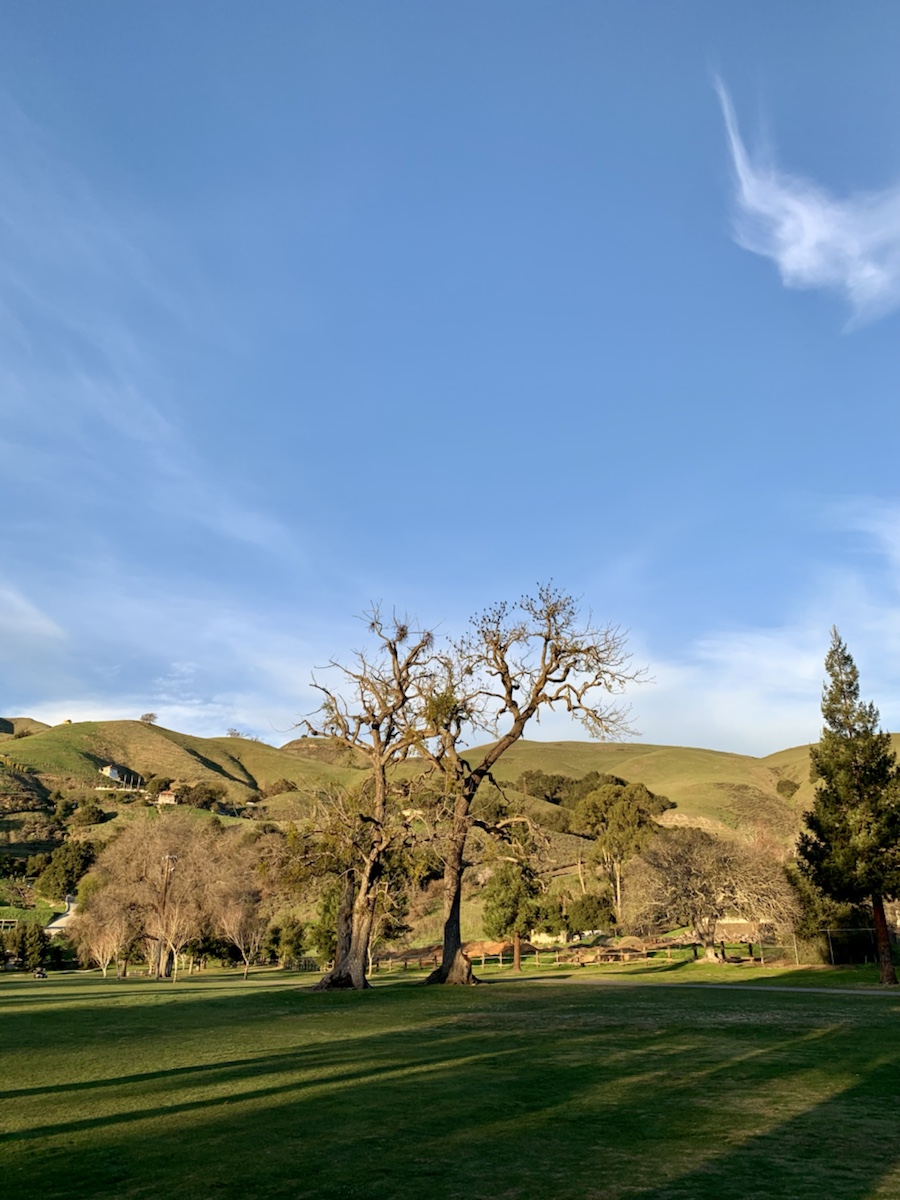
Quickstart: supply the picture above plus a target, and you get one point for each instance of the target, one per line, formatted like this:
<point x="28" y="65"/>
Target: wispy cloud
<point x="204" y="664"/>
<point x="20" y="619"/>
<point x="127" y="645"/>
<point x="98" y="302"/>
<point x="848" y="245"/>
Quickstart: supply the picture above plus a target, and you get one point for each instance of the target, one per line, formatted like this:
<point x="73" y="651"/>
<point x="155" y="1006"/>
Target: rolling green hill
<point x="72" y="755"/>
<point x="718" y="790"/>
<point x="710" y="788"/>
<point x="10" y="726"/>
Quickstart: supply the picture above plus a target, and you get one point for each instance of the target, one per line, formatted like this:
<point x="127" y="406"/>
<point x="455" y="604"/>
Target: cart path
<point x="888" y="992"/>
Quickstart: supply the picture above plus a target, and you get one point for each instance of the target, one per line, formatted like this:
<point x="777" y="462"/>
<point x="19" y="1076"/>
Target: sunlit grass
<point x="555" y="1085"/>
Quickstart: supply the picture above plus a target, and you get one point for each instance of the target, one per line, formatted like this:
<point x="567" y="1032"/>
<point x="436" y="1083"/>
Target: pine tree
<point x="851" y="847"/>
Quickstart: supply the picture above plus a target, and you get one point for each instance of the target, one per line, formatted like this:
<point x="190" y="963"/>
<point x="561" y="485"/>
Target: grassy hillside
<point x="10" y="726"/>
<point x="710" y="787"/>
<point x="718" y="790"/>
<point x="72" y="755"/>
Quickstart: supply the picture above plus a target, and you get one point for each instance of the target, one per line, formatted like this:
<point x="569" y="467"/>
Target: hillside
<point x="710" y="788"/>
<point x="10" y="726"/>
<point x="713" y="789"/>
<point x="72" y="755"/>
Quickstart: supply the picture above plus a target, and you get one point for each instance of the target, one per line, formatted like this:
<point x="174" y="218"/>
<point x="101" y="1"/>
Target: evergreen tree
<point x="67" y="864"/>
<point x="511" y="905"/>
<point x="851" y="847"/>
<point x="36" y="947"/>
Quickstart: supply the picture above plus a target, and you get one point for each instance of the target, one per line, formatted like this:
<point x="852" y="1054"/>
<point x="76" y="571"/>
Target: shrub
<point x="88" y="812"/>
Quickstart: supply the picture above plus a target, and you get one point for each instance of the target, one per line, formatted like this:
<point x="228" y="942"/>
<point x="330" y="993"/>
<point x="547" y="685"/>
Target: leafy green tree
<point x="201" y="795"/>
<point x="14" y="942"/>
<point x="511" y="905"/>
<point x="550" y="916"/>
<point x="36" y="863"/>
<point x="621" y="819"/>
<point x="68" y="863"/>
<point x="593" y="910"/>
<point x="36" y="947"/>
<point x="88" y="812"/>
<point x="322" y="935"/>
<point x="839" y="931"/>
<point x="851" y="846"/>
<point x="64" y="806"/>
<point x="285" y="941"/>
<point x="159" y="783"/>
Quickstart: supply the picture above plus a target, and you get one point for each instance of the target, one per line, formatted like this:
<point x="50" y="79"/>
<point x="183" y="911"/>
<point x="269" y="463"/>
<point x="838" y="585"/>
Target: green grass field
<point x="578" y="1084"/>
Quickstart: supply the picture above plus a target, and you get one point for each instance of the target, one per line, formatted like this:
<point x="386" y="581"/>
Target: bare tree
<point x="103" y="928"/>
<point x="381" y="717"/>
<point x="237" y="898"/>
<point x="160" y="864"/>
<point x="517" y="661"/>
<point x="695" y="879"/>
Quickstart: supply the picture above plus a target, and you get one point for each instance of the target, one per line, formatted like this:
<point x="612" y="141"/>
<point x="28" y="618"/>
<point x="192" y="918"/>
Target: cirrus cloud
<point x="849" y="245"/>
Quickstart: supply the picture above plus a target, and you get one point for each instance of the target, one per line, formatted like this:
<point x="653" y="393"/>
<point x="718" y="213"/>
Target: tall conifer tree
<point x="851" y="846"/>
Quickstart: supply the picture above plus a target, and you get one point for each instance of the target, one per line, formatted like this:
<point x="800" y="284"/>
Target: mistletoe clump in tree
<point x="851" y="847"/>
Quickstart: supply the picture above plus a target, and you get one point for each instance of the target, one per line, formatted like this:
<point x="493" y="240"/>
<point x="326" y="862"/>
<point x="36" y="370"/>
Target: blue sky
<point x="306" y="306"/>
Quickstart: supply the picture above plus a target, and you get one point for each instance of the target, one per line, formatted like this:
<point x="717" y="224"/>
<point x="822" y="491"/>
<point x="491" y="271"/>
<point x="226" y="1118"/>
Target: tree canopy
<point x="850" y="848"/>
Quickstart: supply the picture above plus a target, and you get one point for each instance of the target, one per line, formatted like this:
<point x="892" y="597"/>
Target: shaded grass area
<point x="521" y="1088"/>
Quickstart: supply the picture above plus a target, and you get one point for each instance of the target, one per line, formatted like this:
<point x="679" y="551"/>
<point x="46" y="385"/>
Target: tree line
<point x="412" y="704"/>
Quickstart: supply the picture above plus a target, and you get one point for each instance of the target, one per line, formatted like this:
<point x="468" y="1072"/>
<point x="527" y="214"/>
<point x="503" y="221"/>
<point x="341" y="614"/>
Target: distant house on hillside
<point x="166" y="796"/>
<point x="110" y="772"/>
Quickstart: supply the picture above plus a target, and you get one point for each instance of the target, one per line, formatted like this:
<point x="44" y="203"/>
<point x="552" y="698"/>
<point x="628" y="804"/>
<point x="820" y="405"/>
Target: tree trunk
<point x="883" y="940"/>
<point x="517" y="952"/>
<point x="455" y="967"/>
<point x="705" y="932"/>
<point x="354" y="933"/>
<point x="617" y="873"/>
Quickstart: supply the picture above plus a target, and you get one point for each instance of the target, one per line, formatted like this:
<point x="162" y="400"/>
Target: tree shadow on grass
<point x="523" y="978"/>
<point x="840" y="1148"/>
<point x="519" y="1093"/>
<point x="196" y="1075"/>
